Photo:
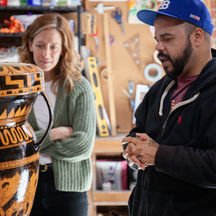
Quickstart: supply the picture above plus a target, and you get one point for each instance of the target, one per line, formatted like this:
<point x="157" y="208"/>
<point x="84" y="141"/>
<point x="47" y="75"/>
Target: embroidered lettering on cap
<point x="165" y="4"/>
<point x="195" y="17"/>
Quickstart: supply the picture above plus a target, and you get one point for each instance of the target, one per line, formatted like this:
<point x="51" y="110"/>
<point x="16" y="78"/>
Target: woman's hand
<point x="60" y="133"/>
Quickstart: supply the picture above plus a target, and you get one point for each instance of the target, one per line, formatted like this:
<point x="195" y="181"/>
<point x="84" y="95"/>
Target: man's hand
<point x="60" y="133"/>
<point x="141" y="150"/>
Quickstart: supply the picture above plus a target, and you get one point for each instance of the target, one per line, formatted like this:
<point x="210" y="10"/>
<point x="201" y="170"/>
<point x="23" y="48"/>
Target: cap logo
<point x="165" y="4"/>
<point x="195" y="17"/>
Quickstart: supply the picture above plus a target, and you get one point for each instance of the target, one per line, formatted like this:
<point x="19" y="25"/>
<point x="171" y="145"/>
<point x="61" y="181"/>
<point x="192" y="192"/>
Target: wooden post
<point x="110" y="76"/>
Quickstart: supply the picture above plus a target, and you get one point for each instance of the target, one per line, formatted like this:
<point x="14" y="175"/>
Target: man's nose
<point x="160" y="46"/>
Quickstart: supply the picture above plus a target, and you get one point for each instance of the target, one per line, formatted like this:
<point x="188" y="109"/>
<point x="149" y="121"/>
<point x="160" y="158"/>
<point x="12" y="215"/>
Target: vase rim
<point x="18" y="68"/>
<point x="20" y="78"/>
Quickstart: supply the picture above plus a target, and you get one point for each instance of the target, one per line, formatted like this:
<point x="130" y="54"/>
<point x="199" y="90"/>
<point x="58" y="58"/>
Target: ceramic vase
<point x="20" y="85"/>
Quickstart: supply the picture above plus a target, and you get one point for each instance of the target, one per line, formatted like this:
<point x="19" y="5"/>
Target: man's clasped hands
<point x="141" y="150"/>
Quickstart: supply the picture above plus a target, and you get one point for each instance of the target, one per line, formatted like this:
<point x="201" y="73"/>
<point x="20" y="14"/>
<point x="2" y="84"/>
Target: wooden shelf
<point x="106" y="146"/>
<point x="109" y="198"/>
<point x="36" y="9"/>
<point x="15" y="39"/>
<point x="10" y="39"/>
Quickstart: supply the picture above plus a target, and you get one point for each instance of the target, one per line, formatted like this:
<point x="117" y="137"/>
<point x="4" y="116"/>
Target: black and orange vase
<point x="20" y="84"/>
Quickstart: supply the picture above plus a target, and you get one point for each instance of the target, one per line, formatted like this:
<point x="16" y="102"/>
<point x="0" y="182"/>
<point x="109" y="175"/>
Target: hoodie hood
<point x="206" y="78"/>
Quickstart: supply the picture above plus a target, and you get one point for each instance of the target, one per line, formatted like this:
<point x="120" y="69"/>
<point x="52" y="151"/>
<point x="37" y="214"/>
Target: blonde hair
<point x="68" y="69"/>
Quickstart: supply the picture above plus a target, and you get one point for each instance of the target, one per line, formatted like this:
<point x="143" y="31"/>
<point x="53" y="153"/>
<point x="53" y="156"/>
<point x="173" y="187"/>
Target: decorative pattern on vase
<point x="20" y="84"/>
<point x="20" y="80"/>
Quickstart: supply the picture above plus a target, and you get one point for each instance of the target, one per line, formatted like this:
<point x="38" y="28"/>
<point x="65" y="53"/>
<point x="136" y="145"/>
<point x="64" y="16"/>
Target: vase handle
<point x="37" y="144"/>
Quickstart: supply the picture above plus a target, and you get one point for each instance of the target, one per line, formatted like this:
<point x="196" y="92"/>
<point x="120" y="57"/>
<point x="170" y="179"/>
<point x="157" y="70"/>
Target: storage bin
<point x="34" y="2"/>
<point x="3" y="2"/>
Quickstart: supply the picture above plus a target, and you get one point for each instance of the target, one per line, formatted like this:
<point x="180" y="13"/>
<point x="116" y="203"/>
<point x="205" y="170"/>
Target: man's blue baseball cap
<point x="193" y="11"/>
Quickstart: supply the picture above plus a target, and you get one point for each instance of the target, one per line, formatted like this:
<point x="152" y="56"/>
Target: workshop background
<point x="119" y="59"/>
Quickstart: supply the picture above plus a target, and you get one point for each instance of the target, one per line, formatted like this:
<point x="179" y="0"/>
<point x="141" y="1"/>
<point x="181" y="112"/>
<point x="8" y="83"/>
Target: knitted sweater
<point x="71" y="157"/>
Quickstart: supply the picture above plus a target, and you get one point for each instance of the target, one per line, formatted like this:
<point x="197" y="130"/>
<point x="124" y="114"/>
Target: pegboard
<point x="130" y="54"/>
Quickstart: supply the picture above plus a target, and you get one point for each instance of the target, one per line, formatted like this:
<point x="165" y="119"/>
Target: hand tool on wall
<point x="129" y="93"/>
<point x="133" y="47"/>
<point x="153" y="72"/>
<point x="101" y="8"/>
<point x="111" y="39"/>
<point x="131" y="90"/>
<point x="95" y="36"/>
<point x="102" y="124"/>
<point x="117" y="15"/>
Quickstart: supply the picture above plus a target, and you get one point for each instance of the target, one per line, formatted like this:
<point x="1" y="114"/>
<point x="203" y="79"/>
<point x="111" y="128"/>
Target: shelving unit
<point x="15" y="39"/>
<point x="36" y="9"/>
<point x="108" y="146"/>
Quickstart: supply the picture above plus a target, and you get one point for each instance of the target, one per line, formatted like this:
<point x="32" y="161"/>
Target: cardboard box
<point x="111" y="175"/>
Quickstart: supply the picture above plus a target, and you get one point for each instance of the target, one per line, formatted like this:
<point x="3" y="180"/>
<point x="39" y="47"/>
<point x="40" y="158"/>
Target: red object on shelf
<point x="3" y="2"/>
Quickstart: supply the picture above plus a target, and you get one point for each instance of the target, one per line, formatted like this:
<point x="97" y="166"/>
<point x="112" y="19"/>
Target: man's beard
<point x="178" y="63"/>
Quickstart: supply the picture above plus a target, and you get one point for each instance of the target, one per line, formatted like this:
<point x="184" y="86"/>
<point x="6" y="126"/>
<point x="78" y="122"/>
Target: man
<point x="174" y="141"/>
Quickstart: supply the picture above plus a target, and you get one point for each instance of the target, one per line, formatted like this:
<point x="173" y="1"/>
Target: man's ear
<point x="30" y="45"/>
<point x="197" y="37"/>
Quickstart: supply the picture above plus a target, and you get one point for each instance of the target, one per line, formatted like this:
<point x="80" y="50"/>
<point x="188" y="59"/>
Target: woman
<point x="65" y="171"/>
